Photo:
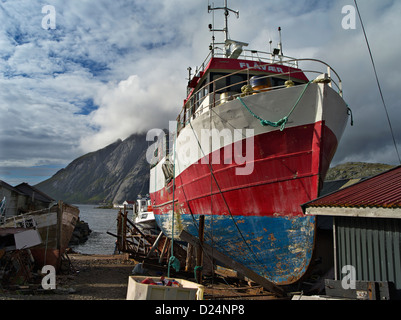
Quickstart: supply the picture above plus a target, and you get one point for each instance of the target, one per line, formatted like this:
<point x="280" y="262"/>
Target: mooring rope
<point x="282" y="122"/>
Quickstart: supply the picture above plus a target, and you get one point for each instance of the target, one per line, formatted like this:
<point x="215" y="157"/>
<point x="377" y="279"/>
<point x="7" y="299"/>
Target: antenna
<point x="280" y="45"/>
<point x="227" y="11"/>
<point x="232" y="49"/>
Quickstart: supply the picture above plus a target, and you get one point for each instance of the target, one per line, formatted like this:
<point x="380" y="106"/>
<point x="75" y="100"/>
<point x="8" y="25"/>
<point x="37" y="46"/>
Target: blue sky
<point x="113" y="68"/>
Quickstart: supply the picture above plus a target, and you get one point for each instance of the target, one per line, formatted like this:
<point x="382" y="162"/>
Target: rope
<point x="173" y="261"/>
<point x="378" y="83"/>
<point x="196" y="269"/>
<point x="282" y="122"/>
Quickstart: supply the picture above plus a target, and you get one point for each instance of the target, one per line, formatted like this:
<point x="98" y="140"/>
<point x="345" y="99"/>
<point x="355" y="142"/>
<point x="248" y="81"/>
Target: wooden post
<point x="166" y="241"/>
<point x="155" y="244"/>
<point x="59" y="226"/>
<point x="188" y="262"/>
<point x="124" y="231"/>
<point x="119" y="230"/>
<point x="199" y="257"/>
<point x="168" y="251"/>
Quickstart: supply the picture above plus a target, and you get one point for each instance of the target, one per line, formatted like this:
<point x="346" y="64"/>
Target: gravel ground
<point x="97" y="277"/>
<point x="105" y="277"/>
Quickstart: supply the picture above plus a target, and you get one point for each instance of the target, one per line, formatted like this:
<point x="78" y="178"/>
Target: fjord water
<point x="100" y="221"/>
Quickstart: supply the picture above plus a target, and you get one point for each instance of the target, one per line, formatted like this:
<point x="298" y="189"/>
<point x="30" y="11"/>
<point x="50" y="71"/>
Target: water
<point x="100" y="221"/>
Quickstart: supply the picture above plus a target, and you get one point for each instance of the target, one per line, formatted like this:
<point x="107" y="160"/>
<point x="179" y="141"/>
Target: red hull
<point x="288" y="167"/>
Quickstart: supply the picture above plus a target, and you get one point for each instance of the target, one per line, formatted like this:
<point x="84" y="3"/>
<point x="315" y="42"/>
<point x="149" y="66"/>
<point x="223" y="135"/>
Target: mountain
<point x="114" y="174"/>
<point x="355" y="170"/>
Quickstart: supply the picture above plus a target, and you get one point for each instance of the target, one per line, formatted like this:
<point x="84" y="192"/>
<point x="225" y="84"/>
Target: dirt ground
<point x="92" y="277"/>
<point x="105" y="277"/>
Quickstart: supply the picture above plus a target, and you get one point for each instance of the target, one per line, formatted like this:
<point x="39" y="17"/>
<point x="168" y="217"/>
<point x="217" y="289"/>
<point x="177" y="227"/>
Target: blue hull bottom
<point x="277" y="248"/>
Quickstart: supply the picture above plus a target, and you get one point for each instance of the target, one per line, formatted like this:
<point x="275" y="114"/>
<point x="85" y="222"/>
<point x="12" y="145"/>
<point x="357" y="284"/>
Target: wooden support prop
<point x="188" y="261"/>
<point x="199" y="256"/>
<point x="146" y="237"/>
<point x="166" y="242"/>
<point x="155" y="244"/>
<point x="266" y="284"/>
<point x="125" y="228"/>
<point x="119" y="231"/>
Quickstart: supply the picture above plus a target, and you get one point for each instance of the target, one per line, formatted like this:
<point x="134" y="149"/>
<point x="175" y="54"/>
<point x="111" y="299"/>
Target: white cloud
<point x="113" y="68"/>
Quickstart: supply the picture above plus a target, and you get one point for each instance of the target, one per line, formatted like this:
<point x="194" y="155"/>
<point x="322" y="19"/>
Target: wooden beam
<point x="124" y="244"/>
<point x="266" y="284"/>
<point x="155" y="244"/>
<point x="199" y="255"/>
<point x="391" y="213"/>
<point x="166" y="241"/>
<point x="188" y="261"/>
<point x="119" y="230"/>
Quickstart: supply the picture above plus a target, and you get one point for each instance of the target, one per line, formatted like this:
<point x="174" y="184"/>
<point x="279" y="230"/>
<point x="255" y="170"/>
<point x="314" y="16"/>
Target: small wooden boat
<point x="55" y="226"/>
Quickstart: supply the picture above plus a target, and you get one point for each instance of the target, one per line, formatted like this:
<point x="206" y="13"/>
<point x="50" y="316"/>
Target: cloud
<point x="370" y="139"/>
<point x="113" y="68"/>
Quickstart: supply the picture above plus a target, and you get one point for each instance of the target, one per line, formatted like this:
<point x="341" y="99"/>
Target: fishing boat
<point x="55" y="226"/>
<point x="144" y="217"/>
<point x="254" y="141"/>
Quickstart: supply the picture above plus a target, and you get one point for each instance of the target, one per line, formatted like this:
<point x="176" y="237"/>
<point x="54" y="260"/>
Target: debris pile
<point x="16" y="268"/>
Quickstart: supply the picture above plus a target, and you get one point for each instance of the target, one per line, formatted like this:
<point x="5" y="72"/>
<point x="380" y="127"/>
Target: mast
<point x="232" y="49"/>
<point x="227" y="11"/>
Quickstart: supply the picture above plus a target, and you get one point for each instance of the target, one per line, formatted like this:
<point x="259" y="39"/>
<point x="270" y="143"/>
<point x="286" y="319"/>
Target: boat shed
<point x="22" y="198"/>
<point x="366" y="234"/>
<point x="34" y="198"/>
<point x="11" y="198"/>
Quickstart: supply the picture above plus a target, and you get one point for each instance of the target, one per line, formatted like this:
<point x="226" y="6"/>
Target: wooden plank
<point x="166" y="241"/>
<point x="266" y="284"/>
<point x="199" y="256"/>
<point x="148" y="239"/>
<point x="392" y="213"/>
<point x="59" y="223"/>
<point x="188" y="261"/>
<point x="155" y="244"/>
<point x="124" y="245"/>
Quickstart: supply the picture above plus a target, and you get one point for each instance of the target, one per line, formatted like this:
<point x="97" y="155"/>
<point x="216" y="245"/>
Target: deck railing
<point x="202" y="100"/>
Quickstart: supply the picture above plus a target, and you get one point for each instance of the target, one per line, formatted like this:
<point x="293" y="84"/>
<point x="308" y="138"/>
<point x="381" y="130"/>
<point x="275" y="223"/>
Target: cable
<point x="378" y="83"/>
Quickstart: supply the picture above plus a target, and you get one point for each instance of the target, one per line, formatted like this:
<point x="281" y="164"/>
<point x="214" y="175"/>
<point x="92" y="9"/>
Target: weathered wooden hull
<point x="55" y="226"/>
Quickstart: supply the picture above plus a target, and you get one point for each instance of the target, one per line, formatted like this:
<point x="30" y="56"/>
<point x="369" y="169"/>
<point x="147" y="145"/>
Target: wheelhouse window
<point x="228" y="84"/>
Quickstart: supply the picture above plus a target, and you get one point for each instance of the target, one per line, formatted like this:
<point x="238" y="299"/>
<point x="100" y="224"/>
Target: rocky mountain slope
<point x="113" y="174"/>
<point x="355" y="170"/>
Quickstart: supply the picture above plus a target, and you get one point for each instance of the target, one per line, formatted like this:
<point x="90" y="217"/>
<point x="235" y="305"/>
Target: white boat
<point x="144" y="217"/>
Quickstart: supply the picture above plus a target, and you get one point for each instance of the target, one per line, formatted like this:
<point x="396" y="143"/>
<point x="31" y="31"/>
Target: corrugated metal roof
<point x="383" y="190"/>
